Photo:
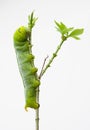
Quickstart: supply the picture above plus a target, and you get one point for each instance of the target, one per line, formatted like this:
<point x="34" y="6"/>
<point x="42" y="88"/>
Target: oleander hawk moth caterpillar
<point x="28" y="71"/>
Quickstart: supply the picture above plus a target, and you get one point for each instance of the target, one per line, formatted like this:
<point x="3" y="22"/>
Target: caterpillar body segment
<point x="28" y="71"/>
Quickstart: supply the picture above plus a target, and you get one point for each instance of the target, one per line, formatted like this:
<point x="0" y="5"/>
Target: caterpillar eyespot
<point x="26" y="66"/>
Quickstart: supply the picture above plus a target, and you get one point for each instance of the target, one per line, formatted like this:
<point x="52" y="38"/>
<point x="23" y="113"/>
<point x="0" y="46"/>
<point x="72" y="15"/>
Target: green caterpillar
<point x="26" y="66"/>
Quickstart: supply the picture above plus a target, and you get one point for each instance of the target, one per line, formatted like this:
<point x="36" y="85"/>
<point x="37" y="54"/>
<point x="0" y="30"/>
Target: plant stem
<point x="37" y="95"/>
<point x="52" y="58"/>
<point x="37" y="98"/>
<point x="31" y="24"/>
<point x="37" y="110"/>
<point x="41" y="74"/>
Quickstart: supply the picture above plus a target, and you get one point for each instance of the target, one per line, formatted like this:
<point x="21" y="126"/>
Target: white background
<point x="65" y="88"/>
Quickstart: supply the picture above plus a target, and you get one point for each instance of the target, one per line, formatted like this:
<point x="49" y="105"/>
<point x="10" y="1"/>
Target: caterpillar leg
<point x="30" y="98"/>
<point x="31" y="105"/>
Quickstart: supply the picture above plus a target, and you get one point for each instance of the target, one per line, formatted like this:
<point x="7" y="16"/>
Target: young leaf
<point x="60" y="27"/>
<point x="31" y="20"/>
<point x="76" y="32"/>
<point x="67" y="30"/>
<point x="75" y="37"/>
<point x="63" y="27"/>
<point x="57" y="24"/>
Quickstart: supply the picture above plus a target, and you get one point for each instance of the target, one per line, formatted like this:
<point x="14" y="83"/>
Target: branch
<point x="65" y="34"/>
<point x="40" y="75"/>
<point x="52" y="58"/>
<point x="32" y="20"/>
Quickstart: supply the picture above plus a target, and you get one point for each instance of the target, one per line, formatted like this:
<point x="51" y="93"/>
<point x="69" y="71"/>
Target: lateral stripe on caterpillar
<point x="26" y="66"/>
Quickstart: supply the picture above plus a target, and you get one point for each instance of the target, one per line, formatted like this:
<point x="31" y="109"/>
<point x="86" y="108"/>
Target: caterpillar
<point x="28" y="71"/>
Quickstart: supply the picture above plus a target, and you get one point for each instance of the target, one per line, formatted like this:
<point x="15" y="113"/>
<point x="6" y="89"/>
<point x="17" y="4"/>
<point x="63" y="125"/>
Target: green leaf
<point x="75" y="37"/>
<point x="60" y="27"/>
<point x="76" y="32"/>
<point x="31" y="20"/>
<point x="63" y="26"/>
<point x="57" y="23"/>
<point x="67" y="30"/>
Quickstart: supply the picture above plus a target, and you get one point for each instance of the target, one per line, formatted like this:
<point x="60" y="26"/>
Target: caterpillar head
<point x="21" y="34"/>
